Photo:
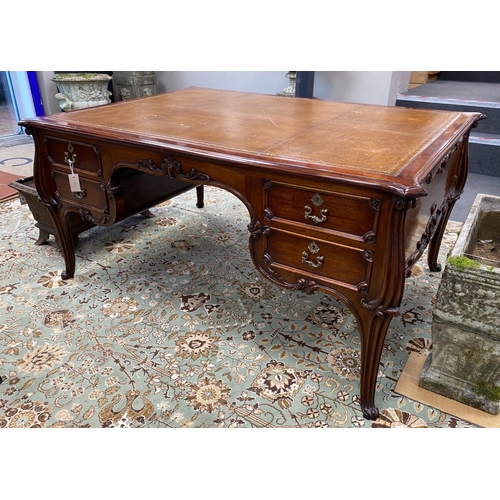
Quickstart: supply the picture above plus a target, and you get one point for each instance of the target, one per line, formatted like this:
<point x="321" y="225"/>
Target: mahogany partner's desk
<point x="342" y="198"/>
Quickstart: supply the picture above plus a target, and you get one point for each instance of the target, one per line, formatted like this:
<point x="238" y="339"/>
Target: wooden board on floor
<point x="6" y="192"/>
<point x="408" y="386"/>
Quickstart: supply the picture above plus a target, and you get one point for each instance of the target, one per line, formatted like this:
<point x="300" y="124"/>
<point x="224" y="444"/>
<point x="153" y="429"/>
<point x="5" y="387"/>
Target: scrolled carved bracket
<point x="52" y="203"/>
<point x="87" y="215"/>
<point x="440" y="169"/>
<point x="307" y="286"/>
<point x="174" y="169"/>
<point x="112" y="190"/>
<point x="436" y="214"/>
<point x="256" y="229"/>
<point x="151" y="166"/>
<point x="302" y="285"/>
<point x="390" y="311"/>
<point x="380" y="311"/>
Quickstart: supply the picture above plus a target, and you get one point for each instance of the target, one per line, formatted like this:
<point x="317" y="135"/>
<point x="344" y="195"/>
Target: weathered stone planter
<point x="82" y="90"/>
<point x="464" y="363"/>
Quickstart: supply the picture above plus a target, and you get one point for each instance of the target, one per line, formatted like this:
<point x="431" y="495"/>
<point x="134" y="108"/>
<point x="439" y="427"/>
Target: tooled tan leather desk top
<point x="330" y="137"/>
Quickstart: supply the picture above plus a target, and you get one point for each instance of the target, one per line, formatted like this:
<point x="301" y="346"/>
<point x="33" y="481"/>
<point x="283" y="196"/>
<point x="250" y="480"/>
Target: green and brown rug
<point x="168" y="324"/>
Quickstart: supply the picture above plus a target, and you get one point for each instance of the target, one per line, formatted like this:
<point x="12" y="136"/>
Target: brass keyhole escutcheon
<point x="313" y="249"/>
<point x="317" y="201"/>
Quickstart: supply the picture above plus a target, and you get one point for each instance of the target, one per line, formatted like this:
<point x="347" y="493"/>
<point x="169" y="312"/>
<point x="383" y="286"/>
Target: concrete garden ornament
<point x="82" y="90"/>
<point x="464" y="363"/>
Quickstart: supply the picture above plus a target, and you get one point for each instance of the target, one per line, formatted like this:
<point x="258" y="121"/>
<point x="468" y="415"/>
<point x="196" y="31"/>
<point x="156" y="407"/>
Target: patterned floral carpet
<point x="168" y="324"/>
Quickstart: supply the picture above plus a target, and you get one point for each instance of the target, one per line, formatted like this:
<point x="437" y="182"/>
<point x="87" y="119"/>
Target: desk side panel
<point x="429" y="214"/>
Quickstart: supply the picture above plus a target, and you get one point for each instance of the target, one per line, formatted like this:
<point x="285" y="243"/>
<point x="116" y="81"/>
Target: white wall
<point x="370" y="87"/>
<point x="263" y="82"/>
<point x="367" y="87"/>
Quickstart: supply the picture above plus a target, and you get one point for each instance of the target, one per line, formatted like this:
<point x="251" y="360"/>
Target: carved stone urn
<point x="82" y="90"/>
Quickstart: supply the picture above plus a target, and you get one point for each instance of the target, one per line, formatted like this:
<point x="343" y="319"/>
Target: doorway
<point x="8" y="112"/>
<point x="20" y="98"/>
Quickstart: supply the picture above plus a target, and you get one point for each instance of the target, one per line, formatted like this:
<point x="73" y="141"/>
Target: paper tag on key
<point x="74" y="183"/>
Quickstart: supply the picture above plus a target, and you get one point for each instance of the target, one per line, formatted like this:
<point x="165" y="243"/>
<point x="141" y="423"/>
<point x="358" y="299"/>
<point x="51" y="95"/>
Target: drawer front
<point x="92" y="194"/>
<point x="344" y="213"/>
<point x="342" y="264"/>
<point x="85" y="157"/>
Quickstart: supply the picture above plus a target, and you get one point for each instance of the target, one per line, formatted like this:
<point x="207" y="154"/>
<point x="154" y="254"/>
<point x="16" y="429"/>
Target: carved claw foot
<point x="66" y="275"/>
<point x="371" y="413"/>
<point x="437" y="268"/>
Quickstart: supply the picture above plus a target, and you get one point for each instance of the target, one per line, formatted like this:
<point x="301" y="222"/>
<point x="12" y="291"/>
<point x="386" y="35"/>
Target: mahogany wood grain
<point x="342" y="198"/>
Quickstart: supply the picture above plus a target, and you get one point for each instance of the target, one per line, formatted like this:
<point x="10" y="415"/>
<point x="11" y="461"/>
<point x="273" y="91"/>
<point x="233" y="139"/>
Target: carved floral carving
<point x="174" y="169"/>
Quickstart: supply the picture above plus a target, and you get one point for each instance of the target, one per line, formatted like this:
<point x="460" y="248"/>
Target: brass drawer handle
<point x="314" y="218"/>
<point x="80" y="194"/>
<point x="318" y="263"/>
<point x="313" y="248"/>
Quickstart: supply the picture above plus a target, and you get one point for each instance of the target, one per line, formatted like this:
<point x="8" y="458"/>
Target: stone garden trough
<point x="464" y="363"/>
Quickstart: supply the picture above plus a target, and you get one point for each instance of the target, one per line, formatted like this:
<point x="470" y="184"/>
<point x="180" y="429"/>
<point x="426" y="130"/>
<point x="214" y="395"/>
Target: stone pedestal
<point x="82" y="90"/>
<point x="290" y="90"/>
<point x="464" y="363"/>
<point x="131" y="84"/>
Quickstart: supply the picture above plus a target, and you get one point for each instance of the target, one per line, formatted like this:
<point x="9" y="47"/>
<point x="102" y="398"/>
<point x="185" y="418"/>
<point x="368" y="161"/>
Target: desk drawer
<point x="342" y="264"/>
<point x="85" y="156"/>
<point x="93" y="194"/>
<point x="349" y="214"/>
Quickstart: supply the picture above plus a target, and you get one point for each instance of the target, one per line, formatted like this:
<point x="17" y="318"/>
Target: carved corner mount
<point x="256" y="229"/>
<point x="368" y="255"/>
<point x="376" y="204"/>
<point x="370" y="238"/>
<point x="268" y="214"/>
